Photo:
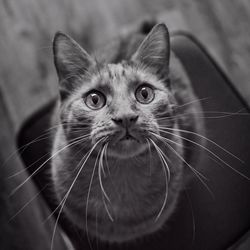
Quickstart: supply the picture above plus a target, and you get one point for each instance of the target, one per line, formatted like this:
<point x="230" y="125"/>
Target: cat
<point x="119" y="158"/>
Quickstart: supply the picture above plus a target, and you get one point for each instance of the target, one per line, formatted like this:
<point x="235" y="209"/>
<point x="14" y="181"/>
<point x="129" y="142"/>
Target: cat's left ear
<point x="154" y="51"/>
<point x="71" y="61"/>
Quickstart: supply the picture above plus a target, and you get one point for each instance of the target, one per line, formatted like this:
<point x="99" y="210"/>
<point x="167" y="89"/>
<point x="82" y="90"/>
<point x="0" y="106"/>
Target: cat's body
<point x="128" y="184"/>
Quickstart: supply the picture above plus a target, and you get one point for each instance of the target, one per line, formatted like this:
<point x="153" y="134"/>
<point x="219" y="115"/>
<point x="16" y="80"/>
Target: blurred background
<point x="28" y="78"/>
<point x="27" y="75"/>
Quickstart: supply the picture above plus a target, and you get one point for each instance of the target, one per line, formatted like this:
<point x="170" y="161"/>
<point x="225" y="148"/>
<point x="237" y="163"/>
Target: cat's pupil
<point x="144" y="93"/>
<point x="95" y="98"/>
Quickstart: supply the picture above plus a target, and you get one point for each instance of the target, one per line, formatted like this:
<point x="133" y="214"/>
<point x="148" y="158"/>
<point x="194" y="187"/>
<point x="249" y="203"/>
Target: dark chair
<point x="203" y="220"/>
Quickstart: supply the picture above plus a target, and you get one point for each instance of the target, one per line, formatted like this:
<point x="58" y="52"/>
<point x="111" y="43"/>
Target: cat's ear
<point x="154" y="51"/>
<point x="71" y="62"/>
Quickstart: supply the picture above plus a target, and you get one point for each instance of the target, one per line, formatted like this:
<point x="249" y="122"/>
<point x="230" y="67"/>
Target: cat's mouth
<point x="124" y="137"/>
<point x="128" y="137"/>
<point x="128" y="143"/>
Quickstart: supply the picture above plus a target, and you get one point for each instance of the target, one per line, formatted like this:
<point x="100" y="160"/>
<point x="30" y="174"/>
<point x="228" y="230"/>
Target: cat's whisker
<point x="82" y="121"/>
<point x="167" y="158"/>
<point x="205" y="138"/>
<point x="101" y="162"/>
<point x="79" y="126"/>
<point x="79" y="164"/>
<point x="45" y="155"/>
<point x="201" y="115"/>
<point x="161" y="137"/>
<point x="104" y="194"/>
<point x="76" y="141"/>
<point x="78" y="131"/>
<point x="82" y="159"/>
<point x="197" y="173"/>
<point x="88" y="195"/>
<point x="21" y="149"/>
<point x="106" y="208"/>
<point x="100" y="175"/>
<point x="165" y="140"/>
<point x="106" y="157"/>
<point x="164" y="165"/>
<point x="28" y="167"/>
<point x="209" y="151"/>
<point x="150" y="157"/>
<point x="63" y="201"/>
<point x="32" y="164"/>
<point x="66" y="123"/>
<point x="27" y="203"/>
<point x="194" y="101"/>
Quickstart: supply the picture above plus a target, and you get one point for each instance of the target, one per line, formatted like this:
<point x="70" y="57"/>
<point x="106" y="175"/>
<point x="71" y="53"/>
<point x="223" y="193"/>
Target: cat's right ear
<point x="154" y="51"/>
<point x="71" y="62"/>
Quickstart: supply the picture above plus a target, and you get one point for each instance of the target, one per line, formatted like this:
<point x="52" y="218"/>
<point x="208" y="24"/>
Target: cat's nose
<point x="126" y="121"/>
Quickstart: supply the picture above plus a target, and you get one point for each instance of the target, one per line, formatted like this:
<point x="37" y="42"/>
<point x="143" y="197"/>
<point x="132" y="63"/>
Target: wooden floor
<point x="27" y="75"/>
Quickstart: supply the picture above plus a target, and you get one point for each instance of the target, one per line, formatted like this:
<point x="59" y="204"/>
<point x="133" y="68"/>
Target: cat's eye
<point x="144" y="94"/>
<point x="95" y="100"/>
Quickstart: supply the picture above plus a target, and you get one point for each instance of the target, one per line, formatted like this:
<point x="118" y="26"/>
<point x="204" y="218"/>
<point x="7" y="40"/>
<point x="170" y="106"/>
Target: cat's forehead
<point x="117" y="70"/>
<point x="115" y="74"/>
<point x="122" y="74"/>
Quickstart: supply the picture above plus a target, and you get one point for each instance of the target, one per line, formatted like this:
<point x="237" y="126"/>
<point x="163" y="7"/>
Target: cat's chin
<point x="124" y="149"/>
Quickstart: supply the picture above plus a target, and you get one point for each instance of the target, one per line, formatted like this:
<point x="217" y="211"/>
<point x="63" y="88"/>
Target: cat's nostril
<point x="133" y="119"/>
<point x="118" y="121"/>
<point x="125" y="121"/>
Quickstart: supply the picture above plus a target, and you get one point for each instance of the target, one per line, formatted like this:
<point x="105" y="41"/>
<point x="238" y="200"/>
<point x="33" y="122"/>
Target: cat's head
<point x="116" y="103"/>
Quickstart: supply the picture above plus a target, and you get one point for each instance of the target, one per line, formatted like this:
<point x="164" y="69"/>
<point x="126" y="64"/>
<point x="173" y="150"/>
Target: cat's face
<point x="117" y="109"/>
<point x="119" y="104"/>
